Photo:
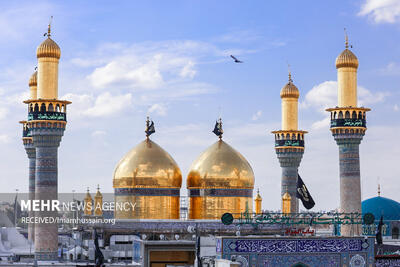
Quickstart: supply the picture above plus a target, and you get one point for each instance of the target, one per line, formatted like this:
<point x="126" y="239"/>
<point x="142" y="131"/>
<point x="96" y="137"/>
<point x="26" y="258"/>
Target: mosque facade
<point x="220" y="183"/>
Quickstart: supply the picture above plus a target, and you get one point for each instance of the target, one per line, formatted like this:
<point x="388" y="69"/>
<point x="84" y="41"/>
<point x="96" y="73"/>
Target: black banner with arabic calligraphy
<point x="304" y="194"/>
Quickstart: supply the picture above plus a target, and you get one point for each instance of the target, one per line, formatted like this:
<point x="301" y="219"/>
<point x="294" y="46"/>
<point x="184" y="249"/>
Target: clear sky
<point x="123" y="60"/>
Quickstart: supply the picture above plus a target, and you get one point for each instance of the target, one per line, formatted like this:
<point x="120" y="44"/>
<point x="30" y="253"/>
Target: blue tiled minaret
<point x="289" y="145"/>
<point x="46" y="124"/>
<point x="348" y="126"/>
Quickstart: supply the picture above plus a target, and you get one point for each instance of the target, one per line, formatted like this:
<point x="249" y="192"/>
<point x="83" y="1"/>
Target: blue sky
<point x="123" y="60"/>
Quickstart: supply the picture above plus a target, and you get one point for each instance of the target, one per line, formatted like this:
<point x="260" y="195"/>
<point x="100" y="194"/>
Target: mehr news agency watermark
<point x="71" y="207"/>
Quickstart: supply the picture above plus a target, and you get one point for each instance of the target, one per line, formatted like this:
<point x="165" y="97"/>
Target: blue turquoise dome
<point x="378" y="206"/>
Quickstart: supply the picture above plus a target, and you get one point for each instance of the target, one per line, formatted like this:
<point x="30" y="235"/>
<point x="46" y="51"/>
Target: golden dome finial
<point x="218" y="131"/>
<point x="346" y="58"/>
<point x="149" y="127"/>
<point x="258" y="196"/>
<point x="290" y="74"/>
<point x="346" y="39"/>
<point x="290" y="90"/>
<point x="48" y="48"/>
<point x="49" y="28"/>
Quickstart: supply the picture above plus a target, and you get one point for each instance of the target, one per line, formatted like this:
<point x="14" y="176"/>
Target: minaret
<point x="289" y="143"/>
<point x="98" y="203"/>
<point x="31" y="152"/>
<point x="88" y="211"/>
<point x="46" y="123"/>
<point x="258" y="202"/>
<point x="348" y="126"/>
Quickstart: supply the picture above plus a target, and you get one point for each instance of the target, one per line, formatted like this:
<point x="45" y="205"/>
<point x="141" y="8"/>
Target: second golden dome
<point x="220" y="166"/>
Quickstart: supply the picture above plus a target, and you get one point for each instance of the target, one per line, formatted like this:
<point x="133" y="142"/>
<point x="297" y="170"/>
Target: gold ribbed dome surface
<point x="220" y="166"/>
<point x="48" y="48"/>
<point x="290" y="90"/>
<point x="33" y="79"/>
<point x="346" y="59"/>
<point x="148" y="166"/>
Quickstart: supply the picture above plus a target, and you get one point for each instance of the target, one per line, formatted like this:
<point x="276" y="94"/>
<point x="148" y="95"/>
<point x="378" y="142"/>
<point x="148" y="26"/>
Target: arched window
<point x="360" y="116"/>
<point x="43" y="107"/>
<point x="395" y="232"/>
<point x="51" y="108"/>
<point x="347" y="115"/>
<point x="340" y="115"/>
<point x="354" y="115"/>
<point x="36" y="108"/>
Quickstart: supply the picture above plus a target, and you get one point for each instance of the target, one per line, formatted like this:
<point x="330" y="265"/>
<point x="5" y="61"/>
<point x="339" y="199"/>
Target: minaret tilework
<point x="289" y="143"/>
<point x="348" y="126"/>
<point x="31" y="152"/>
<point x="45" y="126"/>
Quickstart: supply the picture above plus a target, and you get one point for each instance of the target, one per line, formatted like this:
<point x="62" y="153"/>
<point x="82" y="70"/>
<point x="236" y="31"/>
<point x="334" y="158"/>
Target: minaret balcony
<point x="350" y="122"/>
<point x="47" y="115"/>
<point x="289" y="139"/>
<point x="47" y="110"/>
<point x="348" y="117"/>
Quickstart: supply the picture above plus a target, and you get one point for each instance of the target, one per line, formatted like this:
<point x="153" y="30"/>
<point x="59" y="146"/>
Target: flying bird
<point x="236" y="60"/>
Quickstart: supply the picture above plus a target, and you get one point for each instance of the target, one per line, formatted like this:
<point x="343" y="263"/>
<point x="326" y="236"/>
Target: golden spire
<point x="98" y="194"/>
<point x="346" y="39"/>
<point x="149" y="128"/>
<point x="88" y="194"/>
<point x="218" y="131"/>
<point x="290" y="74"/>
<point x="49" y="28"/>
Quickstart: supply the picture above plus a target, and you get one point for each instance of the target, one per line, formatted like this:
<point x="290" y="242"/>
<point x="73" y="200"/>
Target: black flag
<point x="303" y="194"/>
<point x="99" y="258"/>
<point x="379" y="233"/>
<point x="218" y="129"/>
<point x="150" y="128"/>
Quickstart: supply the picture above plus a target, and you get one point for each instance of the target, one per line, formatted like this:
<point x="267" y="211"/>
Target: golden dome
<point x="149" y="166"/>
<point x="33" y="79"/>
<point x="346" y="59"/>
<point x="220" y="166"/>
<point x="48" y="48"/>
<point x="290" y="90"/>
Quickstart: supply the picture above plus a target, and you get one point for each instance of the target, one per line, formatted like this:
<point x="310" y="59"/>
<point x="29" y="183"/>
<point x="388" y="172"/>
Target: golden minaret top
<point x="346" y="58"/>
<point x="48" y="48"/>
<point x="290" y="90"/>
<point x="48" y="55"/>
<point x="290" y="95"/>
<point x="347" y="64"/>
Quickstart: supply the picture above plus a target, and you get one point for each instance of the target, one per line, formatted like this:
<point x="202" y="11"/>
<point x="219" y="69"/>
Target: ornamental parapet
<point x="290" y="140"/>
<point x="47" y="110"/>
<point x="348" y="118"/>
